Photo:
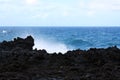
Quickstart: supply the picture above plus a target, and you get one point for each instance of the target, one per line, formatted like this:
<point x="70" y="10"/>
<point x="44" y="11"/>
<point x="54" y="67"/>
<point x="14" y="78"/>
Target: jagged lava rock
<point x="26" y="43"/>
<point x="18" y="61"/>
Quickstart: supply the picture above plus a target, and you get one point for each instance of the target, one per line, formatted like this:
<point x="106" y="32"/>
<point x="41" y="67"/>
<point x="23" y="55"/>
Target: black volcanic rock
<point x="18" y="61"/>
<point x="26" y="43"/>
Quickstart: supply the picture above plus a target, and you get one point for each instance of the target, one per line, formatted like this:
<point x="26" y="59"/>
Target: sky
<point x="59" y="12"/>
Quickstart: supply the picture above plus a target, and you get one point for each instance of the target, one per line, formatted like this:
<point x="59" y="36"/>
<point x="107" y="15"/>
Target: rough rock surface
<point x="18" y="61"/>
<point x="18" y="42"/>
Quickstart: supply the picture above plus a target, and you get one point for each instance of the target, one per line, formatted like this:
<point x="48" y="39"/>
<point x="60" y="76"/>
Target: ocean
<point x="62" y="39"/>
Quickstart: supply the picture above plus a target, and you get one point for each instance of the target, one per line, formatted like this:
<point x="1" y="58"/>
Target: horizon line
<point x="58" y="26"/>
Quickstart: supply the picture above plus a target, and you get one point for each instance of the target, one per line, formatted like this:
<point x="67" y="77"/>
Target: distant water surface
<point x="61" y="39"/>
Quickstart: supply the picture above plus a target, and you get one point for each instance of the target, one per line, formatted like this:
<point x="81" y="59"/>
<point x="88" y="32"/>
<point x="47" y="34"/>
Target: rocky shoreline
<point x="19" y="61"/>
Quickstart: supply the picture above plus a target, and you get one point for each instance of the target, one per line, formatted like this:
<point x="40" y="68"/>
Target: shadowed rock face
<point x="26" y="43"/>
<point x="18" y="61"/>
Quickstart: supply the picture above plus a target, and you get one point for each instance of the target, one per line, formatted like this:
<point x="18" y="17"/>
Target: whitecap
<point x="4" y="31"/>
<point x="50" y="46"/>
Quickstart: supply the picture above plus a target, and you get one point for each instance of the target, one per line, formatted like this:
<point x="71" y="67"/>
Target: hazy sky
<point x="59" y="12"/>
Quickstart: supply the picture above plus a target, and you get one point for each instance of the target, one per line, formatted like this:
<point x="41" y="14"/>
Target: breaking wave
<point x="50" y="46"/>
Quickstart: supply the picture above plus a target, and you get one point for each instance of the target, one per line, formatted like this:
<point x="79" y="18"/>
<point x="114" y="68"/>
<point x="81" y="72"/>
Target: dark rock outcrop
<point x="18" y="61"/>
<point x="26" y="43"/>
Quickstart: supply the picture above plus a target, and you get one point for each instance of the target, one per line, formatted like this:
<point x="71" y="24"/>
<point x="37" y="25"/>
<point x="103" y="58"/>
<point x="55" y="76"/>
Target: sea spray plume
<point x="43" y="42"/>
<point x="50" y="45"/>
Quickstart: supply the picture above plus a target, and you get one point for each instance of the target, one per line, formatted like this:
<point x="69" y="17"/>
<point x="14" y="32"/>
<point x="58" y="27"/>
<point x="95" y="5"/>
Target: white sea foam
<point x="4" y="31"/>
<point x="50" y="46"/>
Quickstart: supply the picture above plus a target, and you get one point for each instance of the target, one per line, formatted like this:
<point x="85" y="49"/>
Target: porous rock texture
<point x="19" y="61"/>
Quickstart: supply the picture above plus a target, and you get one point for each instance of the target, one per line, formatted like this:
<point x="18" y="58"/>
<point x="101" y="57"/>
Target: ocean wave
<point x="3" y="31"/>
<point x="50" y="46"/>
<point x="79" y="42"/>
<point x="64" y="39"/>
<point x="45" y="42"/>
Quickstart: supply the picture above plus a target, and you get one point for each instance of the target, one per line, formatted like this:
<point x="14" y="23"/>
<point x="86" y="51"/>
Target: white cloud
<point x="41" y="15"/>
<point x="52" y="9"/>
<point x="104" y="5"/>
<point x="31" y="2"/>
<point x="94" y="7"/>
<point x="91" y="13"/>
<point x="34" y="7"/>
<point x="65" y="13"/>
<point x="82" y="4"/>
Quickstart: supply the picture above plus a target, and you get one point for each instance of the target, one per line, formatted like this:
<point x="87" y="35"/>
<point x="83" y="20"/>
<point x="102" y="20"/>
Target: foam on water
<point x="4" y="31"/>
<point x="64" y="39"/>
<point x="50" y="46"/>
<point x="42" y="42"/>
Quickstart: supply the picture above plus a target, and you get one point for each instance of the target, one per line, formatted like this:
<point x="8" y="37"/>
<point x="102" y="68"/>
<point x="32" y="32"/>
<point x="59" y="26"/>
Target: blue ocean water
<point x="61" y="39"/>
